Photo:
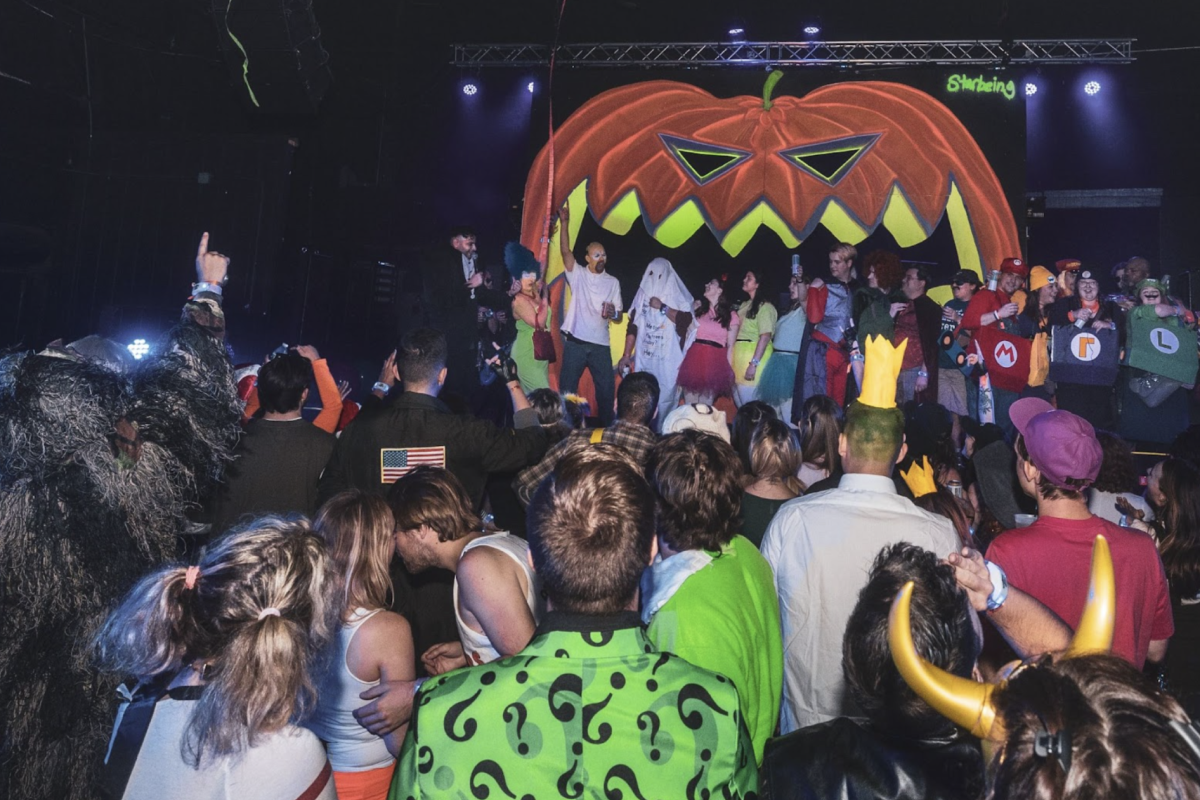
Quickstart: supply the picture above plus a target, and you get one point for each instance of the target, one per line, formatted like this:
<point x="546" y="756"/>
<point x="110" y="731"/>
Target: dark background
<point x="126" y="133"/>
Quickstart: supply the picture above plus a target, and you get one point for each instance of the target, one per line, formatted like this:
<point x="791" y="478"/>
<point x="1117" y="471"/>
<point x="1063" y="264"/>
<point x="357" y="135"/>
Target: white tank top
<point x="351" y="747"/>
<point x="476" y="645"/>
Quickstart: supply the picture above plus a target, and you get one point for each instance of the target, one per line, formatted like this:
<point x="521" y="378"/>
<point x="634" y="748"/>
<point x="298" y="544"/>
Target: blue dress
<point x="779" y="375"/>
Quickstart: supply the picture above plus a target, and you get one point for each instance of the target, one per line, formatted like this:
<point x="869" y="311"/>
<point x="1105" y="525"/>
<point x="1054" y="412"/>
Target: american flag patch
<point x="396" y="462"/>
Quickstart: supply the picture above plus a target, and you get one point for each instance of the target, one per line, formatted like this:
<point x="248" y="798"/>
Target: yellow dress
<point x="747" y="340"/>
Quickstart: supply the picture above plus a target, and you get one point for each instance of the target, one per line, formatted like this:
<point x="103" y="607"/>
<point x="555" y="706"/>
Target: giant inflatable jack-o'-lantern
<point x="849" y="156"/>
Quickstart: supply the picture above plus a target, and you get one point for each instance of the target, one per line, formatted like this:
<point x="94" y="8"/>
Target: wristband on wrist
<point x="922" y="373"/>
<point x="755" y="362"/>
<point x="999" y="586"/>
<point x="380" y="386"/>
<point x="205" y="286"/>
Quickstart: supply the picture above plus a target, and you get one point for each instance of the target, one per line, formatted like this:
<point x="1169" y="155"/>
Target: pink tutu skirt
<point x="705" y="370"/>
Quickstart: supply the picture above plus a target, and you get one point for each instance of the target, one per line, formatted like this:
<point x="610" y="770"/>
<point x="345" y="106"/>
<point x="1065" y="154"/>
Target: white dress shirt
<point x="468" y="264"/>
<point x="821" y="547"/>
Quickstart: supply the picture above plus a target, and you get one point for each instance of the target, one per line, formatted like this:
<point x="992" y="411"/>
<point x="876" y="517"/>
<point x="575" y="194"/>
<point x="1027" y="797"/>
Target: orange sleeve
<point x="331" y="398"/>
<point x="251" y="403"/>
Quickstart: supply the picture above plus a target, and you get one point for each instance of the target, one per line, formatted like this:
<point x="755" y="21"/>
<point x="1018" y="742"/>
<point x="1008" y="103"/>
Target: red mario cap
<point x="1016" y="266"/>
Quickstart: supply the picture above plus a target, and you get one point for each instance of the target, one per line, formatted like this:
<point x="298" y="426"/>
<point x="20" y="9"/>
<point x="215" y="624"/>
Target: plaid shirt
<point x="637" y="439"/>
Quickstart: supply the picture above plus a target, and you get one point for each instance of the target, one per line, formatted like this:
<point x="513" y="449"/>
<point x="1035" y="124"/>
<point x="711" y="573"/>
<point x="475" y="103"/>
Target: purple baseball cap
<point x="1060" y="444"/>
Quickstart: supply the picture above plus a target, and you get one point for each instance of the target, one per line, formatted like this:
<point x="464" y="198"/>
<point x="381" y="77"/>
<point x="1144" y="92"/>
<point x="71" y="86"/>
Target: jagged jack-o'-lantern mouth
<point x="849" y="156"/>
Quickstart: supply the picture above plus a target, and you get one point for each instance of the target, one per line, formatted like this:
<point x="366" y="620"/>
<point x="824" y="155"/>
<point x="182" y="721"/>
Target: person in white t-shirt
<point x="595" y="302"/>
<point x="224" y="652"/>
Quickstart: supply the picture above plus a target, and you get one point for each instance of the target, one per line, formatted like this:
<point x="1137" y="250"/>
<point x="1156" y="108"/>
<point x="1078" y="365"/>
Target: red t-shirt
<point x="1051" y="560"/>
<point x="985" y="301"/>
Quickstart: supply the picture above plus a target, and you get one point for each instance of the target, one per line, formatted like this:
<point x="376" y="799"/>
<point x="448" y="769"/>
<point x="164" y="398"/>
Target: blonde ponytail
<point x="258" y="615"/>
<point x="149" y="632"/>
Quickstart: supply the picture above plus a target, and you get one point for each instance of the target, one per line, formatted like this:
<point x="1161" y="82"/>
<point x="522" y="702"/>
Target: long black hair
<point x="761" y="296"/>
<point x="1179" y="542"/>
<point x="724" y="309"/>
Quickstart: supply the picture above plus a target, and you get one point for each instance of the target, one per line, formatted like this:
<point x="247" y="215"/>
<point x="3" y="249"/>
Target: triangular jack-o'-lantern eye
<point x="830" y="161"/>
<point x="703" y="162"/>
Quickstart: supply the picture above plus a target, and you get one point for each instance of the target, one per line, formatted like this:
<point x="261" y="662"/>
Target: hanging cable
<point x="543" y="253"/>
<point x="245" y="56"/>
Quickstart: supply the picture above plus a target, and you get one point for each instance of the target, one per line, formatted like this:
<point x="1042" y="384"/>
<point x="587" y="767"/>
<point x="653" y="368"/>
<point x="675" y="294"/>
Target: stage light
<point x="811" y="30"/>
<point x="737" y="34"/>
<point x="1030" y="89"/>
<point x="138" y="348"/>
<point x="1092" y="87"/>
<point x="531" y="87"/>
<point x="470" y="89"/>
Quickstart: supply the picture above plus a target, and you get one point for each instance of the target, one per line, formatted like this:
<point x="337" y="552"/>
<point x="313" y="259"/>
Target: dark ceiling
<point x="152" y="55"/>
<point x="182" y="25"/>
<point x="101" y="95"/>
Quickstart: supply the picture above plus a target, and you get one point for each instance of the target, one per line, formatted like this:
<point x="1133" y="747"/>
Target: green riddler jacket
<point x="589" y="709"/>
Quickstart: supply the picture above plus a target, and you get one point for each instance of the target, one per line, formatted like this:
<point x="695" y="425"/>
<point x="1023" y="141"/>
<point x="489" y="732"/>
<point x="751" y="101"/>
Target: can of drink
<point x="795" y="264"/>
<point x="993" y="281"/>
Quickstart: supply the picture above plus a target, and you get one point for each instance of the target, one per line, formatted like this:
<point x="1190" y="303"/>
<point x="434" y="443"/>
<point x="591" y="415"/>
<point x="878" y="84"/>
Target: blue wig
<point x="520" y="260"/>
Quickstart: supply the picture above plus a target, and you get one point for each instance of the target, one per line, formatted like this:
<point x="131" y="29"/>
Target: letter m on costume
<point x="1006" y="357"/>
<point x="396" y="462"/>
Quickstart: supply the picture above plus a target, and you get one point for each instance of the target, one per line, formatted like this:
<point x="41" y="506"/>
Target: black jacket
<point x="474" y="447"/>
<point x="442" y="282"/>
<point x="929" y="329"/>
<point x="846" y="760"/>
<point x="275" y="472"/>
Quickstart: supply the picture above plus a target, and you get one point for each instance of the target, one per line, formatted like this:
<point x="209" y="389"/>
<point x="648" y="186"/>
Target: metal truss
<point x="715" y="54"/>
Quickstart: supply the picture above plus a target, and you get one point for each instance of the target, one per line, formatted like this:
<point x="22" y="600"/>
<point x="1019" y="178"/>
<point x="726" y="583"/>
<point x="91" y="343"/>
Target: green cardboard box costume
<point x="1162" y="345"/>
<point x="590" y="708"/>
<point x="720" y="612"/>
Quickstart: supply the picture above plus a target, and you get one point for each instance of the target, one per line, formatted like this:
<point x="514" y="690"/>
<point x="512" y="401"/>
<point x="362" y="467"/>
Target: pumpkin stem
<point x="772" y="79"/>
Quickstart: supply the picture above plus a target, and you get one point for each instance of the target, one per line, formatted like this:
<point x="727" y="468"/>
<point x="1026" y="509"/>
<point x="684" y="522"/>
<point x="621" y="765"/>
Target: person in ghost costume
<point x="659" y="319"/>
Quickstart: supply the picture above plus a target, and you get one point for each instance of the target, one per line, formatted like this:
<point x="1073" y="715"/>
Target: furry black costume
<point x="97" y="469"/>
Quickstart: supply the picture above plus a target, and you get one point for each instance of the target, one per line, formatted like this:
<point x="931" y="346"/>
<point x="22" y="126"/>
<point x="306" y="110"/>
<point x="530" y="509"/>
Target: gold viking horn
<point x="963" y="701"/>
<point x="967" y="703"/>
<point x="1095" y="631"/>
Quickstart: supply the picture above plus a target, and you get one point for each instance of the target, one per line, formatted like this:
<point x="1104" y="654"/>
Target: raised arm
<point x="1030" y="627"/>
<point x="506" y="369"/>
<point x="185" y="399"/>
<point x="331" y="398"/>
<point x="564" y="238"/>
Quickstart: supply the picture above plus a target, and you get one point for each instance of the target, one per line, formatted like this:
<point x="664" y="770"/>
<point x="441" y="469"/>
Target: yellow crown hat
<point x="881" y="369"/>
<point x="920" y="477"/>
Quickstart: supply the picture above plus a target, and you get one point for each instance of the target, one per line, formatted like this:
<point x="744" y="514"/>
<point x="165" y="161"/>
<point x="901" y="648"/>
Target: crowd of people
<point x="891" y="556"/>
<point x="1124" y="361"/>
